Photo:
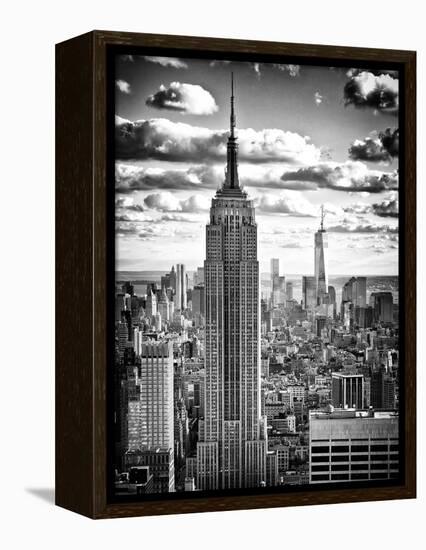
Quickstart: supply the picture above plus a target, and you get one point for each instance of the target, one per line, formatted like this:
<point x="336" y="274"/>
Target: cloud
<point x="378" y="243"/>
<point x="292" y="70"/>
<point x="358" y="208"/>
<point x="129" y="58"/>
<point x="377" y="72"/>
<point x="125" y="229"/>
<point x="256" y="68"/>
<point x="195" y="203"/>
<point x="347" y="226"/>
<point x="189" y="99"/>
<point x="388" y="208"/>
<point x="129" y="178"/>
<point x="128" y="204"/>
<point x="167" y="202"/>
<point x="167" y="61"/>
<point x="123" y="218"/>
<point x="377" y="91"/>
<point x="347" y="176"/>
<point x="287" y="202"/>
<point x="123" y="86"/>
<point x="318" y="98"/>
<point x="216" y="62"/>
<point x="176" y="218"/>
<point x="159" y="228"/>
<point x="377" y="147"/>
<point x="267" y="176"/>
<point x="162" y="139"/>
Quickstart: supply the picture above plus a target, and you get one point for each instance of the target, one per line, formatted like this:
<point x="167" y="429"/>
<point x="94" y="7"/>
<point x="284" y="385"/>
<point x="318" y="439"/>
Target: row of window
<point x="346" y="467"/>
<point x="353" y="448"/>
<point x="353" y="477"/>
<point x="353" y="458"/>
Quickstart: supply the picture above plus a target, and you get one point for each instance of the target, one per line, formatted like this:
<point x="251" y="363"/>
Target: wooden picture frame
<point x="82" y="219"/>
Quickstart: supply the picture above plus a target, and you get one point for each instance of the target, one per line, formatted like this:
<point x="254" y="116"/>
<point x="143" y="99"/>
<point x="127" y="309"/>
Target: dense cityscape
<point x="224" y="380"/>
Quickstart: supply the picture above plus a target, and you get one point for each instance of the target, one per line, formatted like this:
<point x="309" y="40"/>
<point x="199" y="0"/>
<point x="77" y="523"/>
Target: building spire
<point x="232" y="125"/>
<point x="231" y="173"/>
<point x="322" y="219"/>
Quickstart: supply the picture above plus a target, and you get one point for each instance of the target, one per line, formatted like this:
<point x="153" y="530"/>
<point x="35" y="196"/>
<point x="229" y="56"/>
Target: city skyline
<point x="226" y="381"/>
<point x="171" y="161"/>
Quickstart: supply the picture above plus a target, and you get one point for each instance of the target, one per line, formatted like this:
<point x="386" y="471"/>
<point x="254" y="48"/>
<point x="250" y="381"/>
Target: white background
<point x="29" y="32"/>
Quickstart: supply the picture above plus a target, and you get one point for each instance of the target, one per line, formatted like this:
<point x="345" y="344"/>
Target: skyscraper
<point x="320" y="261"/>
<point x="232" y="448"/>
<point x="181" y="287"/>
<point x="308" y="292"/>
<point x="151" y="304"/>
<point x="163" y="306"/>
<point x="275" y="275"/>
<point x="156" y="388"/>
<point x="332" y="298"/>
<point x="359" y="291"/>
<point x="382" y="303"/>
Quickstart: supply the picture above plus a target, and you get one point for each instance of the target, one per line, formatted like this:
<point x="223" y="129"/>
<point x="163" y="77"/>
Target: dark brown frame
<point x="81" y="276"/>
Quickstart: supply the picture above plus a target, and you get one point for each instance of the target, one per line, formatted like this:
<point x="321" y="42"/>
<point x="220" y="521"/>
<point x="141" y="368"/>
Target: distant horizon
<point x="164" y="271"/>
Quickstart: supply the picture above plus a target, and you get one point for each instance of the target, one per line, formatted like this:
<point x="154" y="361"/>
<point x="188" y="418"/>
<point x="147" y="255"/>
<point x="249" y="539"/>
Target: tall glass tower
<point x="232" y="446"/>
<point x="321" y="284"/>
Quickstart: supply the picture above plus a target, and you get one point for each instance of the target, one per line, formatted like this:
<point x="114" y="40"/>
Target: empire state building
<point x="232" y="447"/>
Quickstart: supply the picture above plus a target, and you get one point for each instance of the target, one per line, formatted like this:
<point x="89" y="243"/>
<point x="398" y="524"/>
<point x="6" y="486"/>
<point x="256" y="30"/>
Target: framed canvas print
<point x="235" y="274"/>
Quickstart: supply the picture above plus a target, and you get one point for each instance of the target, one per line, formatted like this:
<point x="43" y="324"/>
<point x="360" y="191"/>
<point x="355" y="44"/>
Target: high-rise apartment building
<point x="232" y="448"/>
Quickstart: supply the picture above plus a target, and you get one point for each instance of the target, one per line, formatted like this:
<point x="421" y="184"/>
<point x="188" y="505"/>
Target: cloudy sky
<point x="307" y="136"/>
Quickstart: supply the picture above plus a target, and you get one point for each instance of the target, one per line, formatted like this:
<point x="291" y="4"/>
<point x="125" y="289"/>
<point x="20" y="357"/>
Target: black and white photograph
<point x="256" y="306"/>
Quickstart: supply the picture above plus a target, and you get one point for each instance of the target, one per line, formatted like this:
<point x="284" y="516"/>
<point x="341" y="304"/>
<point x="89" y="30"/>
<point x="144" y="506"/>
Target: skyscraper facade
<point x="232" y="449"/>
<point x="320" y="261"/>
<point x="353" y="445"/>
<point x="308" y="292"/>
<point x="382" y="303"/>
<point x="156" y="388"/>
<point x="181" y="287"/>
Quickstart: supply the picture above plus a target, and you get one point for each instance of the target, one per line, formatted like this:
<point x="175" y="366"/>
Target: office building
<point x="353" y="446"/>
<point x="309" y="292"/>
<point x="320" y="246"/>
<point x="232" y="449"/>
<point x="198" y="299"/>
<point x="151" y="304"/>
<point x="160" y="464"/>
<point x="156" y="394"/>
<point x="382" y="304"/>
<point x="347" y="390"/>
<point x="181" y="287"/>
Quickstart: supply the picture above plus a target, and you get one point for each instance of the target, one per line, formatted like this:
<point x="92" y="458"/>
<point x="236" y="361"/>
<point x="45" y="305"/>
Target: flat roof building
<point x="350" y="445"/>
